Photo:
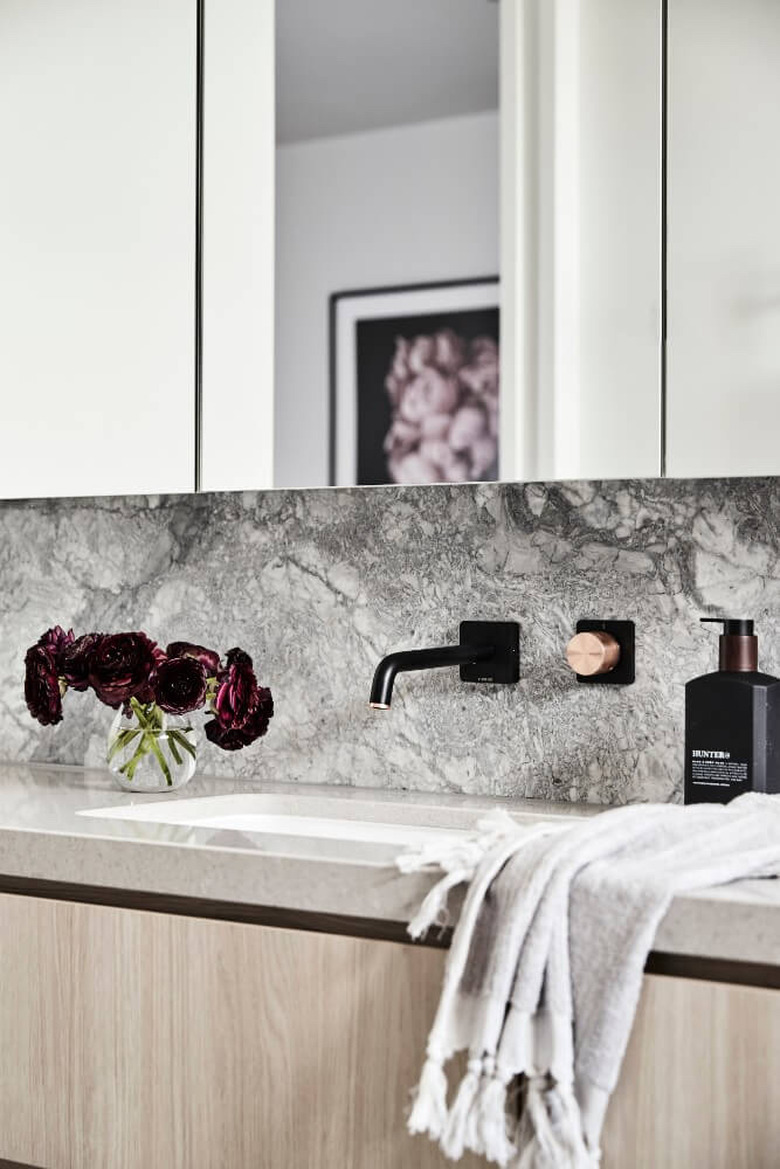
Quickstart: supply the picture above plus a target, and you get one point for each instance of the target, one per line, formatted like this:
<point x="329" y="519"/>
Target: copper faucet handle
<point x="593" y="653"/>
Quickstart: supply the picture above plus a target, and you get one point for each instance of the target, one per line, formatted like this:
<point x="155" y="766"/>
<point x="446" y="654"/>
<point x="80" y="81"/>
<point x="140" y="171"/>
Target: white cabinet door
<point x="97" y="246"/>
<point x="238" y="246"/>
<point x="723" y="346"/>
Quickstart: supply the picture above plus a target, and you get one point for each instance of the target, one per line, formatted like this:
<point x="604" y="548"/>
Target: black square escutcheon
<point x="504" y="636"/>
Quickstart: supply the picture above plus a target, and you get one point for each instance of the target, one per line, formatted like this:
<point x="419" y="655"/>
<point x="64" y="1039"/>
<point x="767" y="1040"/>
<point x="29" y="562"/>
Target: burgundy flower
<point x="180" y="685"/>
<point x="242" y="708"/>
<point x="207" y="657"/>
<point x="56" y="640"/>
<point x="123" y="666"/>
<point x="41" y="686"/>
<point x="255" y="724"/>
<point x="75" y="658"/>
<point x="237" y="690"/>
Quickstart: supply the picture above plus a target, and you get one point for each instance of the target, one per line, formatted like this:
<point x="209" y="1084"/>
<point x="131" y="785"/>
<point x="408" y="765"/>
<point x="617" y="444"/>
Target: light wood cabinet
<point x="134" y="1039"/>
<point x="699" y="1084"/>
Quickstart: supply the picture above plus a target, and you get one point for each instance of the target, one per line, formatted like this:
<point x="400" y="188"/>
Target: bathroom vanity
<point x="209" y="996"/>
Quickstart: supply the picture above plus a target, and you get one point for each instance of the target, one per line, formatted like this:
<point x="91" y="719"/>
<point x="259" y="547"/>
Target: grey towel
<point x="545" y="969"/>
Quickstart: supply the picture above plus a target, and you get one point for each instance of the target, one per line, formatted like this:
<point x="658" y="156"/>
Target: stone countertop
<point x="42" y="837"/>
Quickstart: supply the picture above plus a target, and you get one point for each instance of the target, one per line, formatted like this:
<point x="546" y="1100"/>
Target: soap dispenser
<point x="732" y="723"/>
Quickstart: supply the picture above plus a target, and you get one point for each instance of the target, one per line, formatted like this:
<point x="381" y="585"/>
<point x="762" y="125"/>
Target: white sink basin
<point x="286" y="816"/>
<point x="323" y="817"/>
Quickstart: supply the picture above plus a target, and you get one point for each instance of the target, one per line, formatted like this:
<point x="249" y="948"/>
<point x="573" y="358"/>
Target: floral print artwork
<point x="443" y="392"/>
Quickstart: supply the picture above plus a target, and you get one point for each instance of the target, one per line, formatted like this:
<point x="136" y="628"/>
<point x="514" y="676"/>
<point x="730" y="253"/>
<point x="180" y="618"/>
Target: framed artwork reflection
<point x="414" y="381"/>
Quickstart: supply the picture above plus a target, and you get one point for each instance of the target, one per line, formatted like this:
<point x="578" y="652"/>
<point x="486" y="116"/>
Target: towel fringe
<point x="429" y="1109"/>
<point x="492" y="1121"/>
<point x="462" y="854"/>
<point x="543" y="1147"/>
<point x="461" y="1131"/>
<point x="566" y="1121"/>
<point x="433" y="910"/>
<point x="553" y="1134"/>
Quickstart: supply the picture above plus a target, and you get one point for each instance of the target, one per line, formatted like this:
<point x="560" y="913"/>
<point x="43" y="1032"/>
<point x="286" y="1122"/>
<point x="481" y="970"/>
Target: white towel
<point x="545" y="969"/>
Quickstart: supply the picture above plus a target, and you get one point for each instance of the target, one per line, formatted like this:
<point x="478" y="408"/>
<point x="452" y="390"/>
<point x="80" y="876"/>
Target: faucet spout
<point x="488" y="652"/>
<point x="420" y="659"/>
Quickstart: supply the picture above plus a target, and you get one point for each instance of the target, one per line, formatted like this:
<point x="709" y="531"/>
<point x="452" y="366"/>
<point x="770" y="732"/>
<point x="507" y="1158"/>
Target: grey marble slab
<point x="43" y="837"/>
<point x="318" y="585"/>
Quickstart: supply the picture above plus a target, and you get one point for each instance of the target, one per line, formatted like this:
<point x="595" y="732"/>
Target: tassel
<point x="461" y="1131"/>
<point x="540" y="1151"/>
<point x="429" y="1110"/>
<point x="552" y="1129"/>
<point x="433" y="910"/>
<point x="492" y="1127"/>
<point x="566" y="1122"/>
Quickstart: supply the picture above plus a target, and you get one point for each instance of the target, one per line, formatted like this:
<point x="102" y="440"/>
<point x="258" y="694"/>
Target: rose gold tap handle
<point x="593" y="653"/>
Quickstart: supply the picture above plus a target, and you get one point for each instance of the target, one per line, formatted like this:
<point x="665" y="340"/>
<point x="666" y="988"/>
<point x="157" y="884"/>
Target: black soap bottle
<point x="732" y="723"/>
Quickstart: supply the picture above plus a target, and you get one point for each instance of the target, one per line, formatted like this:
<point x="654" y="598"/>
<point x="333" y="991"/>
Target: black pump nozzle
<point x="732" y="626"/>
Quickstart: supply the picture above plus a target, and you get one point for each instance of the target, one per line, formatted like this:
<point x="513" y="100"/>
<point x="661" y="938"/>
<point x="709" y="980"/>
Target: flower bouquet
<point x="152" y="744"/>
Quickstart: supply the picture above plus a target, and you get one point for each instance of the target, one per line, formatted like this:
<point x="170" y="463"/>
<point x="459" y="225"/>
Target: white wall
<point x="399" y="206"/>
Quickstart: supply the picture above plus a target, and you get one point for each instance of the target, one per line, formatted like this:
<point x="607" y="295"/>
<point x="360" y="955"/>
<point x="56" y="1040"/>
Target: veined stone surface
<point x="318" y="585"/>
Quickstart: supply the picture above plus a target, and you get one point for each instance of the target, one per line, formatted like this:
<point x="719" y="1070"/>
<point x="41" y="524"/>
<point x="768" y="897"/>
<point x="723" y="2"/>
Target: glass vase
<point x="149" y="750"/>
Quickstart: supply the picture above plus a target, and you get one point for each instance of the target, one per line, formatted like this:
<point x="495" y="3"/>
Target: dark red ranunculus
<point x="253" y="726"/>
<point x="237" y="689"/>
<point x="56" y="641"/>
<point x="207" y="657"/>
<point x="242" y="708"/>
<point x="42" y="686"/>
<point x="180" y="685"/>
<point x="75" y="659"/>
<point x="123" y="666"/>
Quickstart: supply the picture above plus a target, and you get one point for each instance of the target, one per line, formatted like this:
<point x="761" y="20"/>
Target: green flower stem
<point x="173" y="748"/>
<point x="141" y="750"/>
<point x="180" y="738"/>
<point x="151" y="726"/>
<point x="123" y="739"/>
<point x="155" y="747"/>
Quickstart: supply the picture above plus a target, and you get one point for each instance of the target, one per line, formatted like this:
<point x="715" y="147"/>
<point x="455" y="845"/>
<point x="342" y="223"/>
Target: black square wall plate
<point x="623" y="632"/>
<point x="504" y="636"/>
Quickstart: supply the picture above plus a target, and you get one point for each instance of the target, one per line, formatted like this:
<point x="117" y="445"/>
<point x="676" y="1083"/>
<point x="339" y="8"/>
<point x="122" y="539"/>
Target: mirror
<point x="607" y="159"/>
<point x="387" y="245"/>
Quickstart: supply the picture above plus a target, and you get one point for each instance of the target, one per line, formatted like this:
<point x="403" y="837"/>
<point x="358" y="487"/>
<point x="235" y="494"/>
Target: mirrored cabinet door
<point x="724" y="237"/>
<point x="581" y="238"/>
<point x="97" y="246"/>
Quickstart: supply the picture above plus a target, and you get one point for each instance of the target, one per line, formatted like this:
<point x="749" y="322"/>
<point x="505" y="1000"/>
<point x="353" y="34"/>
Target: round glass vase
<point x="149" y="750"/>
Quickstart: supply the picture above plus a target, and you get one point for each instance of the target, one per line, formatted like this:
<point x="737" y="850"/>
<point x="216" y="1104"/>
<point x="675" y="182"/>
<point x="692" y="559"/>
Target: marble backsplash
<point x="318" y="585"/>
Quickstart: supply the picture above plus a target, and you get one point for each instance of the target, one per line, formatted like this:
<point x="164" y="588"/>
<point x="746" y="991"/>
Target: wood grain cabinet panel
<point x="700" y="1083"/>
<point x="135" y="1040"/>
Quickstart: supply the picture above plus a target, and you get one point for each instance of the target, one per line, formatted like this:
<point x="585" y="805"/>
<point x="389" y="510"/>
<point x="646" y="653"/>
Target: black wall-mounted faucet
<point x="489" y="651"/>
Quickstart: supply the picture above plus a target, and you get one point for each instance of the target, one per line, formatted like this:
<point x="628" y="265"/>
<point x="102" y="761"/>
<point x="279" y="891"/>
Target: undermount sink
<point x="324" y="817"/>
